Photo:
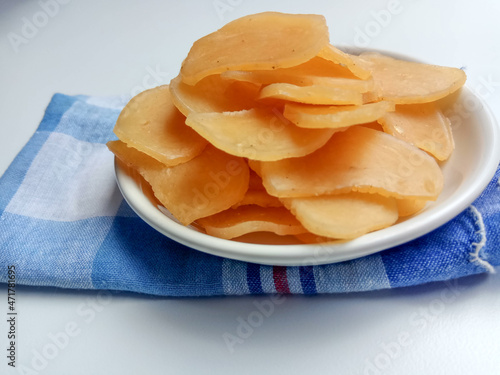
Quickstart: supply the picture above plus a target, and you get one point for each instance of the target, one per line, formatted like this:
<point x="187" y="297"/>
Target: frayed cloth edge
<point x="478" y="246"/>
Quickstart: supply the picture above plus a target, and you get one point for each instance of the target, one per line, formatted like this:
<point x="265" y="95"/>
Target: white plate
<point x="466" y="174"/>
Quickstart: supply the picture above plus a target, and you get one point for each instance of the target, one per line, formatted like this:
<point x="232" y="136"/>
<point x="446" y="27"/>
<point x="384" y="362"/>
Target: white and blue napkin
<point x="64" y="223"/>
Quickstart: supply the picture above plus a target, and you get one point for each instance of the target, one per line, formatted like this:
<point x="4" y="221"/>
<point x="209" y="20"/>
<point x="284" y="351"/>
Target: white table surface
<point x="106" y="48"/>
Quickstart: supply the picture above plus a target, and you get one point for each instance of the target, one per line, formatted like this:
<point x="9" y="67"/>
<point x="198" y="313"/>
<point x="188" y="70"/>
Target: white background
<point x="107" y="48"/>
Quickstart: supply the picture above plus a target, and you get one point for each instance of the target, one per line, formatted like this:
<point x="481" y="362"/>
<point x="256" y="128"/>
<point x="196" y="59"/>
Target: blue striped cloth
<point x="64" y="223"/>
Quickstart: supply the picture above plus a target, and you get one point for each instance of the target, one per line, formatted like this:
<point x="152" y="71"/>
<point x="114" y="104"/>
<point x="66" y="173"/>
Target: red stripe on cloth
<point x="280" y="280"/>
